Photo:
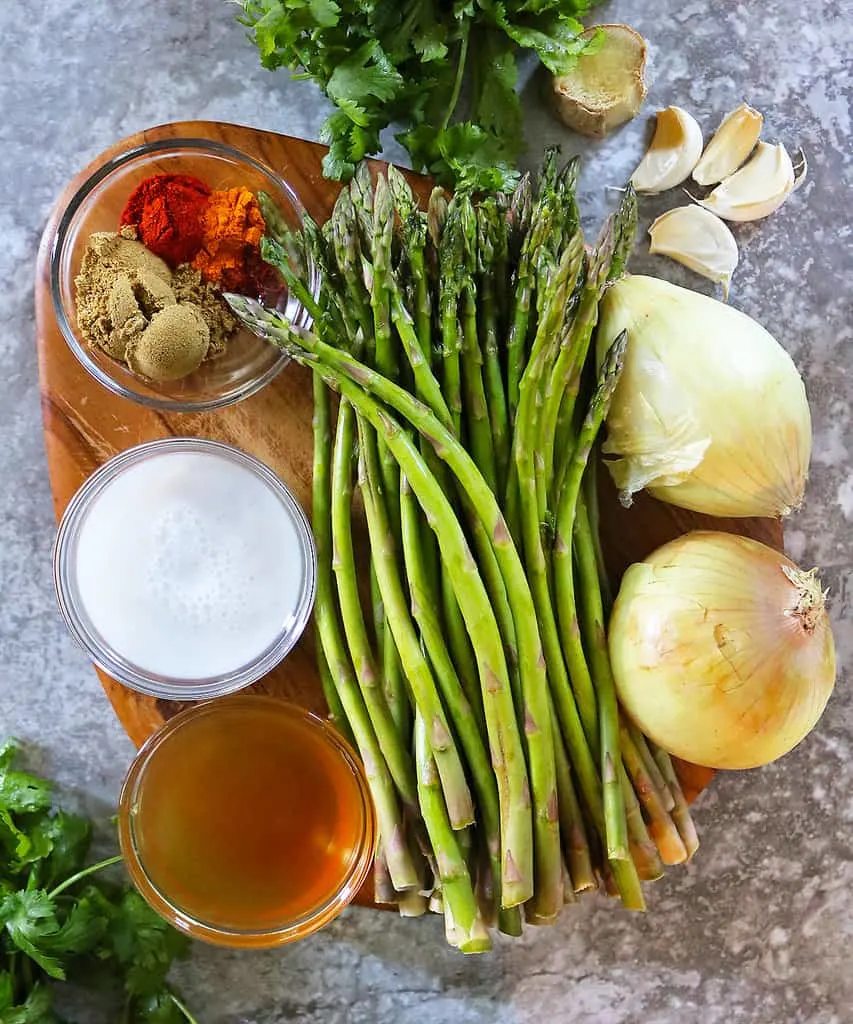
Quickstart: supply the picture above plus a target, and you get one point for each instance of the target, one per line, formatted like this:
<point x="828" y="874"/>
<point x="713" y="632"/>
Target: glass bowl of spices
<point x="141" y="257"/>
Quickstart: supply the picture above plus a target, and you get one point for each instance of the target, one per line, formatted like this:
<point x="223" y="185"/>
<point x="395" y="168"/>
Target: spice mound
<point x="131" y="305"/>
<point x="167" y="211"/>
<point x="219" y="232"/>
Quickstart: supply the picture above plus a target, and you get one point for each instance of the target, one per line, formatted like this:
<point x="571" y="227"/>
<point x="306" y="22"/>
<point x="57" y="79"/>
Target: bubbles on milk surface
<point x="201" y="570"/>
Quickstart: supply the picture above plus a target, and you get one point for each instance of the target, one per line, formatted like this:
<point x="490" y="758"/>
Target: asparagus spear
<point x="469" y="932"/>
<point x="383" y="888"/>
<point x="681" y="811"/>
<point x="491" y="267"/>
<point x="581" y="702"/>
<point x="394" y="747"/>
<point x="436" y="215"/>
<point x="349" y="259"/>
<point x="414" y="235"/>
<point x="661" y="826"/>
<point x="424" y="610"/>
<point x="525" y="280"/>
<point x="415" y="666"/>
<point x="386" y="356"/>
<point x="651" y="766"/>
<point x="614" y="810"/>
<point x="330" y="693"/>
<point x="590" y="485"/>
<point x="400" y="864"/>
<point x="572" y="828"/>
<point x="478" y="428"/>
<point x="615" y="243"/>
<point x="449" y="287"/>
<point x="645" y="860"/>
<point x="518" y="216"/>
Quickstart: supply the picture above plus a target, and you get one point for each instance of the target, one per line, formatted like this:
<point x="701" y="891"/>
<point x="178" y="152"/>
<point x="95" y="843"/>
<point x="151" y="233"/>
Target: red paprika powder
<point x="167" y="211"/>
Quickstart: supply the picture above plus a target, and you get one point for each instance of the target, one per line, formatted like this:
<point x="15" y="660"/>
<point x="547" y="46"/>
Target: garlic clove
<point x="674" y="152"/>
<point x="732" y="143"/>
<point x="699" y="240"/>
<point x="757" y="189"/>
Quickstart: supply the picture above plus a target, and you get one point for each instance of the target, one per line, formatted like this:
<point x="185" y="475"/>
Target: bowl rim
<point x="111" y="661"/>
<point x="285" y="932"/>
<point x="57" y="249"/>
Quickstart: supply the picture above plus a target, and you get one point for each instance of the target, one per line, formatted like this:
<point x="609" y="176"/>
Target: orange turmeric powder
<point x="232" y="227"/>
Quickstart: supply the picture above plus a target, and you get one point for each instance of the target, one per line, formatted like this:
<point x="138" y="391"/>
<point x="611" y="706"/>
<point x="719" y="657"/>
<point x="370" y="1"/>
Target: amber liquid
<point x="249" y="817"/>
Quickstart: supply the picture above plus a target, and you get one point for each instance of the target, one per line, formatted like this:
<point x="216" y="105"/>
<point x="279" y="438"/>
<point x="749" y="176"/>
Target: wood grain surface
<point x="84" y="425"/>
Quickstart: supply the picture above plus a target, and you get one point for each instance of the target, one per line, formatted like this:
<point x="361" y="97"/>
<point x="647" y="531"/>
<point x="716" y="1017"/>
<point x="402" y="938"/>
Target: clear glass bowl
<point x="164" y="866"/>
<point x="249" y="362"/>
<point x="83" y="623"/>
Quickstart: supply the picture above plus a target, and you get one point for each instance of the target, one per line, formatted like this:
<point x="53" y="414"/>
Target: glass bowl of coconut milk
<point x="185" y="568"/>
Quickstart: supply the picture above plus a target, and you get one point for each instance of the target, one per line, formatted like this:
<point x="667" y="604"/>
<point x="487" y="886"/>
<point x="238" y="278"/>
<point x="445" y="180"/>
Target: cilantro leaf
<point x="479" y="160"/>
<point x="28" y="916"/>
<point x="61" y="841"/>
<point x="496" y="105"/>
<point x="8" y="750"/>
<point x="37" y="1009"/>
<point x="32" y="923"/>
<point x="21" y="792"/>
<point x="143" y="945"/>
<point x="16" y="844"/>
<point x="157" y="1008"/>
<point x="364" y="76"/>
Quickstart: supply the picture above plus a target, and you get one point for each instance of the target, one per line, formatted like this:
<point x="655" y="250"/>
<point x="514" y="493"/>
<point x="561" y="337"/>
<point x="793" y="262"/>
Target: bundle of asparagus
<point x="475" y="682"/>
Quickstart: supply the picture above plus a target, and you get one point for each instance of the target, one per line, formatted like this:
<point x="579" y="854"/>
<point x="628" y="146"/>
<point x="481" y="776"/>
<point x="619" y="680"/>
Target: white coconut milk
<point x="189" y="565"/>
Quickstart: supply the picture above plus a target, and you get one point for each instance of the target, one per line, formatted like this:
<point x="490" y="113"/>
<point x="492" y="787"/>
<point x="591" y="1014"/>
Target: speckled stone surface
<point x="758" y="928"/>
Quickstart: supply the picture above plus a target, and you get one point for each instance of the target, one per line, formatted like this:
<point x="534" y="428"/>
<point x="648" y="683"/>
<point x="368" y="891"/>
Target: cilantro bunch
<point x="446" y="70"/>
<point x="58" y="922"/>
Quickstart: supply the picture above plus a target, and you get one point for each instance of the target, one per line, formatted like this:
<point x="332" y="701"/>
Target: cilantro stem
<point x="12" y="957"/>
<point x="27" y="971"/>
<point x="84" y="873"/>
<point x="460" y="74"/>
<point x="182" y="1008"/>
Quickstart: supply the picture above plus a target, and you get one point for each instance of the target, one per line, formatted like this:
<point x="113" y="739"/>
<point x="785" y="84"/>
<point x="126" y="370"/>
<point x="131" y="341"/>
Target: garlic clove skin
<point x="732" y="143"/>
<point x="699" y="240"/>
<point x="757" y="189"/>
<point x="674" y="152"/>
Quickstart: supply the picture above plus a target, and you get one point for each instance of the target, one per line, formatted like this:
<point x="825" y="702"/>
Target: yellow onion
<point x="710" y="412"/>
<point x="722" y="650"/>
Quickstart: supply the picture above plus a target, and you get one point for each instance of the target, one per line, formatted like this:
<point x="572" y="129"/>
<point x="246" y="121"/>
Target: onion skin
<point x="710" y="412"/>
<point x="722" y="650"/>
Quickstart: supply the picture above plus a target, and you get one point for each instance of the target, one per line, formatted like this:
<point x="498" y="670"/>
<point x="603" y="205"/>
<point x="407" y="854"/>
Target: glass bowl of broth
<point x="247" y="822"/>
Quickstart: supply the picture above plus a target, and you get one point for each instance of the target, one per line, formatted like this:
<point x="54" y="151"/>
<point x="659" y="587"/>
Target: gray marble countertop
<point x="758" y="928"/>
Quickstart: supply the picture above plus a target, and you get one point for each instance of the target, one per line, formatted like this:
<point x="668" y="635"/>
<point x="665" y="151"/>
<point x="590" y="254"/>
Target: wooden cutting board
<point x="84" y="425"/>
